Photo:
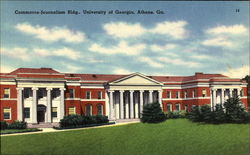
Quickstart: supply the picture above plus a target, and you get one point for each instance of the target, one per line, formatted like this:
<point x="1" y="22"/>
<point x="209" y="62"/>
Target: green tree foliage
<point x="195" y="114"/>
<point x="152" y="113"/>
<point x="234" y="111"/>
<point x="218" y="116"/>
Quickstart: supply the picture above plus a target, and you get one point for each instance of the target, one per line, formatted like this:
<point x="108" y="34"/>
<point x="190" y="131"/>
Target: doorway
<point x="41" y="109"/>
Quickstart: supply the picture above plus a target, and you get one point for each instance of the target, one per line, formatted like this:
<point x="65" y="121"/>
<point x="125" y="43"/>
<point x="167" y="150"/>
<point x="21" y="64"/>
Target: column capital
<point x="223" y="89"/>
<point x="121" y="91"/>
<point x="49" y="89"/>
<point x="151" y="91"/>
<point x="110" y="91"/>
<point x="131" y="91"/>
<point x="19" y="88"/>
<point x="231" y="89"/>
<point x="141" y="91"/>
<point x="35" y="88"/>
<point x="62" y="89"/>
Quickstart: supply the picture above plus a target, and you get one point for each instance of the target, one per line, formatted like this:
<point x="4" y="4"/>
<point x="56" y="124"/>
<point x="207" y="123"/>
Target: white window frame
<point x="205" y="92"/>
<point x="185" y="94"/>
<point x="98" y="94"/>
<point x="56" y="112"/>
<point x="179" y="107"/>
<point x="87" y="94"/>
<point x="171" y="109"/>
<point x="8" y="93"/>
<point x="9" y="112"/>
<point x="73" y="93"/>
<point x="178" y="94"/>
<point x="24" y="113"/>
<point x="193" y="93"/>
<point x="74" y="110"/>
<point x="101" y="108"/>
<point x="90" y="109"/>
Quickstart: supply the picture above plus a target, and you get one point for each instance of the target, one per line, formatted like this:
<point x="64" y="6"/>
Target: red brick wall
<point x="94" y="106"/>
<point x="94" y="92"/>
<point x="9" y="104"/>
<point x="13" y="91"/>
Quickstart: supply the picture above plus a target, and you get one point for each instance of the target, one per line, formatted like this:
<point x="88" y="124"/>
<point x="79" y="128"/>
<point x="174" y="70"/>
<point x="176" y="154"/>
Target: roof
<point x="102" y="78"/>
<point x="33" y="70"/>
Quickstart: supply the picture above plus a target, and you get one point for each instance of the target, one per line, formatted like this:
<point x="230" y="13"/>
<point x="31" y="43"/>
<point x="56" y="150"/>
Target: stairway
<point x="43" y="125"/>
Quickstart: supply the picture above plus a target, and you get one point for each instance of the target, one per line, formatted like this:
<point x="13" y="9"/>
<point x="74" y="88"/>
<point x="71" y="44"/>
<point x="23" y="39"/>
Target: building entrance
<point x="41" y="109"/>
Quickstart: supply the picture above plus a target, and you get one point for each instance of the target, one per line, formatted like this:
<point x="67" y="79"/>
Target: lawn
<point x="10" y="131"/>
<point x="170" y="137"/>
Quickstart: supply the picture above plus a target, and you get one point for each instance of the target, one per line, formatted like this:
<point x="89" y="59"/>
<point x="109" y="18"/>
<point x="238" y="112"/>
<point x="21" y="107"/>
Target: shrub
<point x="169" y="114"/>
<point x="183" y="114"/>
<point x="218" y="116"/>
<point x="234" y="111"/>
<point x="80" y="120"/>
<point x="4" y="125"/>
<point x="152" y="113"/>
<point x="206" y="114"/>
<point x="17" y="125"/>
<point x="195" y="114"/>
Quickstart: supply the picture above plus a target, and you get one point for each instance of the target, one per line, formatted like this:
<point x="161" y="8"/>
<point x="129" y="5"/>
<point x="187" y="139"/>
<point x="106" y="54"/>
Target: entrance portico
<point x="128" y="95"/>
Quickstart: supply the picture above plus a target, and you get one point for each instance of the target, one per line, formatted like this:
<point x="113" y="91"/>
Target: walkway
<point x="47" y="130"/>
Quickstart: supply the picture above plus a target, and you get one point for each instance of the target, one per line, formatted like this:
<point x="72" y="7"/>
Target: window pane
<point x="177" y="107"/>
<point x="99" y="109"/>
<point x="6" y="93"/>
<point x="88" y="95"/>
<point x="88" y="110"/>
<point x="99" y="94"/>
<point x="6" y="113"/>
<point x="54" y="111"/>
<point x="168" y="107"/>
<point x="71" y="93"/>
<point x="72" y="111"/>
<point x="26" y="112"/>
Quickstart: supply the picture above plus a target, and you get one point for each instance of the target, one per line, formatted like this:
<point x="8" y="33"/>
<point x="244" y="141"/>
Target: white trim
<point x="176" y="99"/>
<point x="91" y="81"/>
<point x="94" y="87"/>
<point x="92" y="99"/>
<point x="72" y="99"/>
<point x="72" y="84"/>
<point x="7" y="83"/>
<point x="12" y="99"/>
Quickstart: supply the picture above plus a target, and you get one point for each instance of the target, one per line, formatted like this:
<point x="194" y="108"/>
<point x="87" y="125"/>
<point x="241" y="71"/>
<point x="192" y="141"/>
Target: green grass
<point x="10" y="131"/>
<point x="170" y="137"/>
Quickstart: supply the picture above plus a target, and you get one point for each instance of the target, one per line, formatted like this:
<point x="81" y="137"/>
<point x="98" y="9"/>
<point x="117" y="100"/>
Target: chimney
<point x="198" y="73"/>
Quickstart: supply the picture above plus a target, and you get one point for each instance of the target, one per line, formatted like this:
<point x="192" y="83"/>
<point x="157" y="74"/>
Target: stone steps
<point x="43" y="125"/>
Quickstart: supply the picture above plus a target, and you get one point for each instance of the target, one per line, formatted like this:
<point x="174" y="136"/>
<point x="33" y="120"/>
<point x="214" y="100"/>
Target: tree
<point x="218" y="116"/>
<point x="234" y="111"/>
<point x="247" y="78"/>
<point x="195" y="114"/>
<point x="152" y="113"/>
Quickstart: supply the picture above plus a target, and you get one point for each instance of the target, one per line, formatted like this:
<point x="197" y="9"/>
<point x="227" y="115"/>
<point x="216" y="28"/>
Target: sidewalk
<point x="47" y="130"/>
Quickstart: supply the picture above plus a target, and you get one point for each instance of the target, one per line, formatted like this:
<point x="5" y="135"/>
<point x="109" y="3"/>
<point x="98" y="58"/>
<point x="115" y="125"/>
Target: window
<point x="26" y="112"/>
<point x="185" y="94"/>
<point x="186" y="108"/>
<point x="6" y="93"/>
<point x="54" y="112"/>
<point x="177" y="107"/>
<point x="193" y="93"/>
<point x="42" y="93"/>
<point x="99" y="95"/>
<point x="88" y="95"/>
<point x="99" y="109"/>
<point x="72" y="110"/>
<point x="169" y="107"/>
<point x="88" y="110"/>
<point x="168" y="94"/>
<point x="6" y="113"/>
<point x="177" y="94"/>
<point x="241" y="93"/>
<point x="27" y="92"/>
<point x="71" y="93"/>
<point x="204" y="92"/>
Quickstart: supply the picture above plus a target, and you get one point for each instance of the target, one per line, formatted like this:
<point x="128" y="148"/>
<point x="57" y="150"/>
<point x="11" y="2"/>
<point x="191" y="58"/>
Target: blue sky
<point x="190" y="37"/>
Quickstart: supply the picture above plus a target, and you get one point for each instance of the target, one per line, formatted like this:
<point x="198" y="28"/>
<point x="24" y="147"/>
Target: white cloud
<point x="174" y="29"/>
<point x="18" y="53"/>
<point x="158" y="48"/>
<point x="121" y="71"/>
<point x="121" y="48"/>
<point x="200" y="57"/>
<point x="150" y="62"/>
<point x="233" y="29"/>
<point x="51" y="34"/>
<point x="6" y="69"/>
<point x="179" y="62"/>
<point x="70" y="68"/>
<point x="62" y="52"/>
<point x="124" y="30"/>
<point x="218" y="42"/>
<point x="240" y="72"/>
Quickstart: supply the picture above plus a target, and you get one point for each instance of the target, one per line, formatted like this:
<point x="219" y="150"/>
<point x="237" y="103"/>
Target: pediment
<point x="135" y="79"/>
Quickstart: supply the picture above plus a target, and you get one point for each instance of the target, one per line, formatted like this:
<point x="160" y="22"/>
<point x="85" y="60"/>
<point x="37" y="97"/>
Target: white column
<point x="34" y="106"/>
<point x="121" y="105"/>
<point x="61" y="103"/>
<point x="238" y="93"/>
<point x="211" y="98"/>
<point x="117" y="106"/>
<point x="136" y="105"/>
<point x="49" y="105"/>
<point x="131" y="104"/>
<point x="127" y="106"/>
<point x="222" y="96"/>
<point x="231" y="92"/>
<point x="141" y="102"/>
<point x="111" y="104"/>
<point x="150" y="96"/>
<point x="214" y="97"/>
<point x="20" y="104"/>
<point x="159" y="98"/>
